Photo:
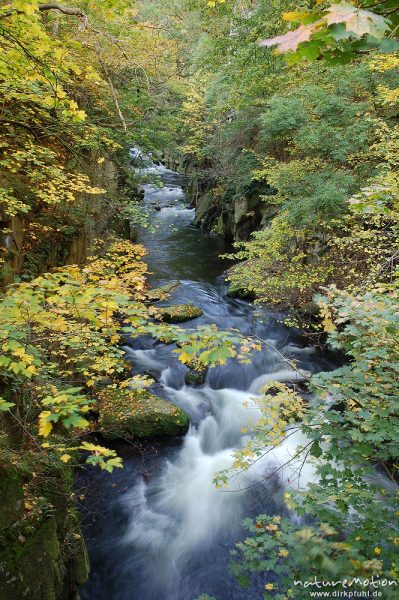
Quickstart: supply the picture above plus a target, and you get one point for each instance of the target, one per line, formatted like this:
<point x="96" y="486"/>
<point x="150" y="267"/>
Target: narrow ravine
<point x="159" y="529"/>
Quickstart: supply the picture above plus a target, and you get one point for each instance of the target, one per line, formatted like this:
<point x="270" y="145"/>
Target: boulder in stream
<point x="131" y="413"/>
<point x="197" y="373"/>
<point x="178" y="313"/>
<point x="238" y="290"/>
<point x="195" y="378"/>
<point x="161" y="292"/>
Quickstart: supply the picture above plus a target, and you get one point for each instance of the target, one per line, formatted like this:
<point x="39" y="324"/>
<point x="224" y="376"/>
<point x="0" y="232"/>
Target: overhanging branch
<point x="67" y="10"/>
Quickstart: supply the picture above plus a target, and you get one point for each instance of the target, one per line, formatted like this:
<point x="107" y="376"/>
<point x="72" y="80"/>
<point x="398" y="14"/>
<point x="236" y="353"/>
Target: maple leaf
<point x="295" y="16"/>
<point x="184" y="357"/>
<point x="292" y="39"/>
<point x="45" y="426"/>
<point x="357" y="21"/>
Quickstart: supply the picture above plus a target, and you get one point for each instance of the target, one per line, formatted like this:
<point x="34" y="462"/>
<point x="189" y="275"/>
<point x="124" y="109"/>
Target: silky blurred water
<point x="159" y="529"/>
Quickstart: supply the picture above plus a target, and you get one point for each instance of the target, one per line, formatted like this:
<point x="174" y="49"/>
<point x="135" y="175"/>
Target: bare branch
<point x="113" y="91"/>
<point x="67" y="10"/>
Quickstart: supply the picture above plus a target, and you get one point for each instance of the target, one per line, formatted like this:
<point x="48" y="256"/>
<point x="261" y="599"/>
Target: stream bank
<point x="42" y="550"/>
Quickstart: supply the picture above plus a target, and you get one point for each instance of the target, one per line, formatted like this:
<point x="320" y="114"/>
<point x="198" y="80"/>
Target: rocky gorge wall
<point x="229" y="212"/>
<point x="234" y="217"/>
<point x="42" y="551"/>
<point x="25" y="248"/>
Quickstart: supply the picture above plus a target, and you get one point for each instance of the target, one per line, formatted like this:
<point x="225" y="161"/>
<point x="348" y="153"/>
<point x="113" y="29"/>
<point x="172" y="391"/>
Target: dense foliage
<point x="64" y="100"/>
<point x="351" y="431"/>
<point x="317" y="143"/>
<point x="327" y="143"/>
<point x="77" y="85"/>
<point x="303" y="151"/>
<point x="80" y="84"/>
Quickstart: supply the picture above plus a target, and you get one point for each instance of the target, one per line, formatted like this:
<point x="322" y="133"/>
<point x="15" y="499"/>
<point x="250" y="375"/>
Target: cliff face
<point x="231" y="210"/>
<point x="235" y="218"/>
<point x="231" y="213"/>
<point x="30" y="245"/>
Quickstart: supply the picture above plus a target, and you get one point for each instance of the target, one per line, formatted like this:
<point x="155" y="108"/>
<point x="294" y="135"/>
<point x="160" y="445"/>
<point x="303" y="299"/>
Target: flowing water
<point x="159" y="529"/>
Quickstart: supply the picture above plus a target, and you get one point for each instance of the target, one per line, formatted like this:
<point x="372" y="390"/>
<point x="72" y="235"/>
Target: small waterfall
<point x="182" y="512"/>
<point x="283" y="375"/>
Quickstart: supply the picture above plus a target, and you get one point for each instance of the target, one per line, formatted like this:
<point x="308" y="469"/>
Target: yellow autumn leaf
<point x="185" y="358"/>
<point x="295" y="16"/>
<point x="45" y="426"/>
<point x="269" y="586"/>
<point x="328" y="325"/>
<point x="20" y="352"/>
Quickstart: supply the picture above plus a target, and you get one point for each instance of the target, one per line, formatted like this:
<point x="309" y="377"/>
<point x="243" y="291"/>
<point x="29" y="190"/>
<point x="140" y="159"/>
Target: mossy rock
<point x="310" y="309"/>
<point x="33" y="568"/>
<point x="42" y="557"/>
<point x="204" y="210"/>
<point x="195" y="378"/>
<point x="79" y="561"/>
<point x="237" y="290"/>
<point x="129" y="413"/>
<point x="161" y="292"/>
<point x="80" y="565"/>
<point x="196" y="374"/>
<point x="56" y="488"/>
<point x="11" y="496"/>
<point x="178" y="313"/>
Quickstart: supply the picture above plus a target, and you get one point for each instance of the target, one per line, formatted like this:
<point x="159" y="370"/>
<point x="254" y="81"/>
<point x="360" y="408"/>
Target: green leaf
<point x="338" y="31"/>
<point x="5" y="406"/>
<point x="316" y="451"/>
<point x="388" y="45"/>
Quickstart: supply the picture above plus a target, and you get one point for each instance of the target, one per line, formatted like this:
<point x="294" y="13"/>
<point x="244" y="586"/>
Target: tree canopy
<point x="290" y="105"/>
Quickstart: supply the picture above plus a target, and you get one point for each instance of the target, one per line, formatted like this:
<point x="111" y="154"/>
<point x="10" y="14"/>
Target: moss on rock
<point x="161" y="292"/>
<point x="11" y="496"/>
<point x="195" y="378"/>
<point x="32" y="566"/>
<point x="238" y="290"/>
<point x="197" y="373"/>
<point x="42" y="550"/>
<point x="128" y="413"/>
<point x="178" y="313"/>
<point x="80" y="565"/>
